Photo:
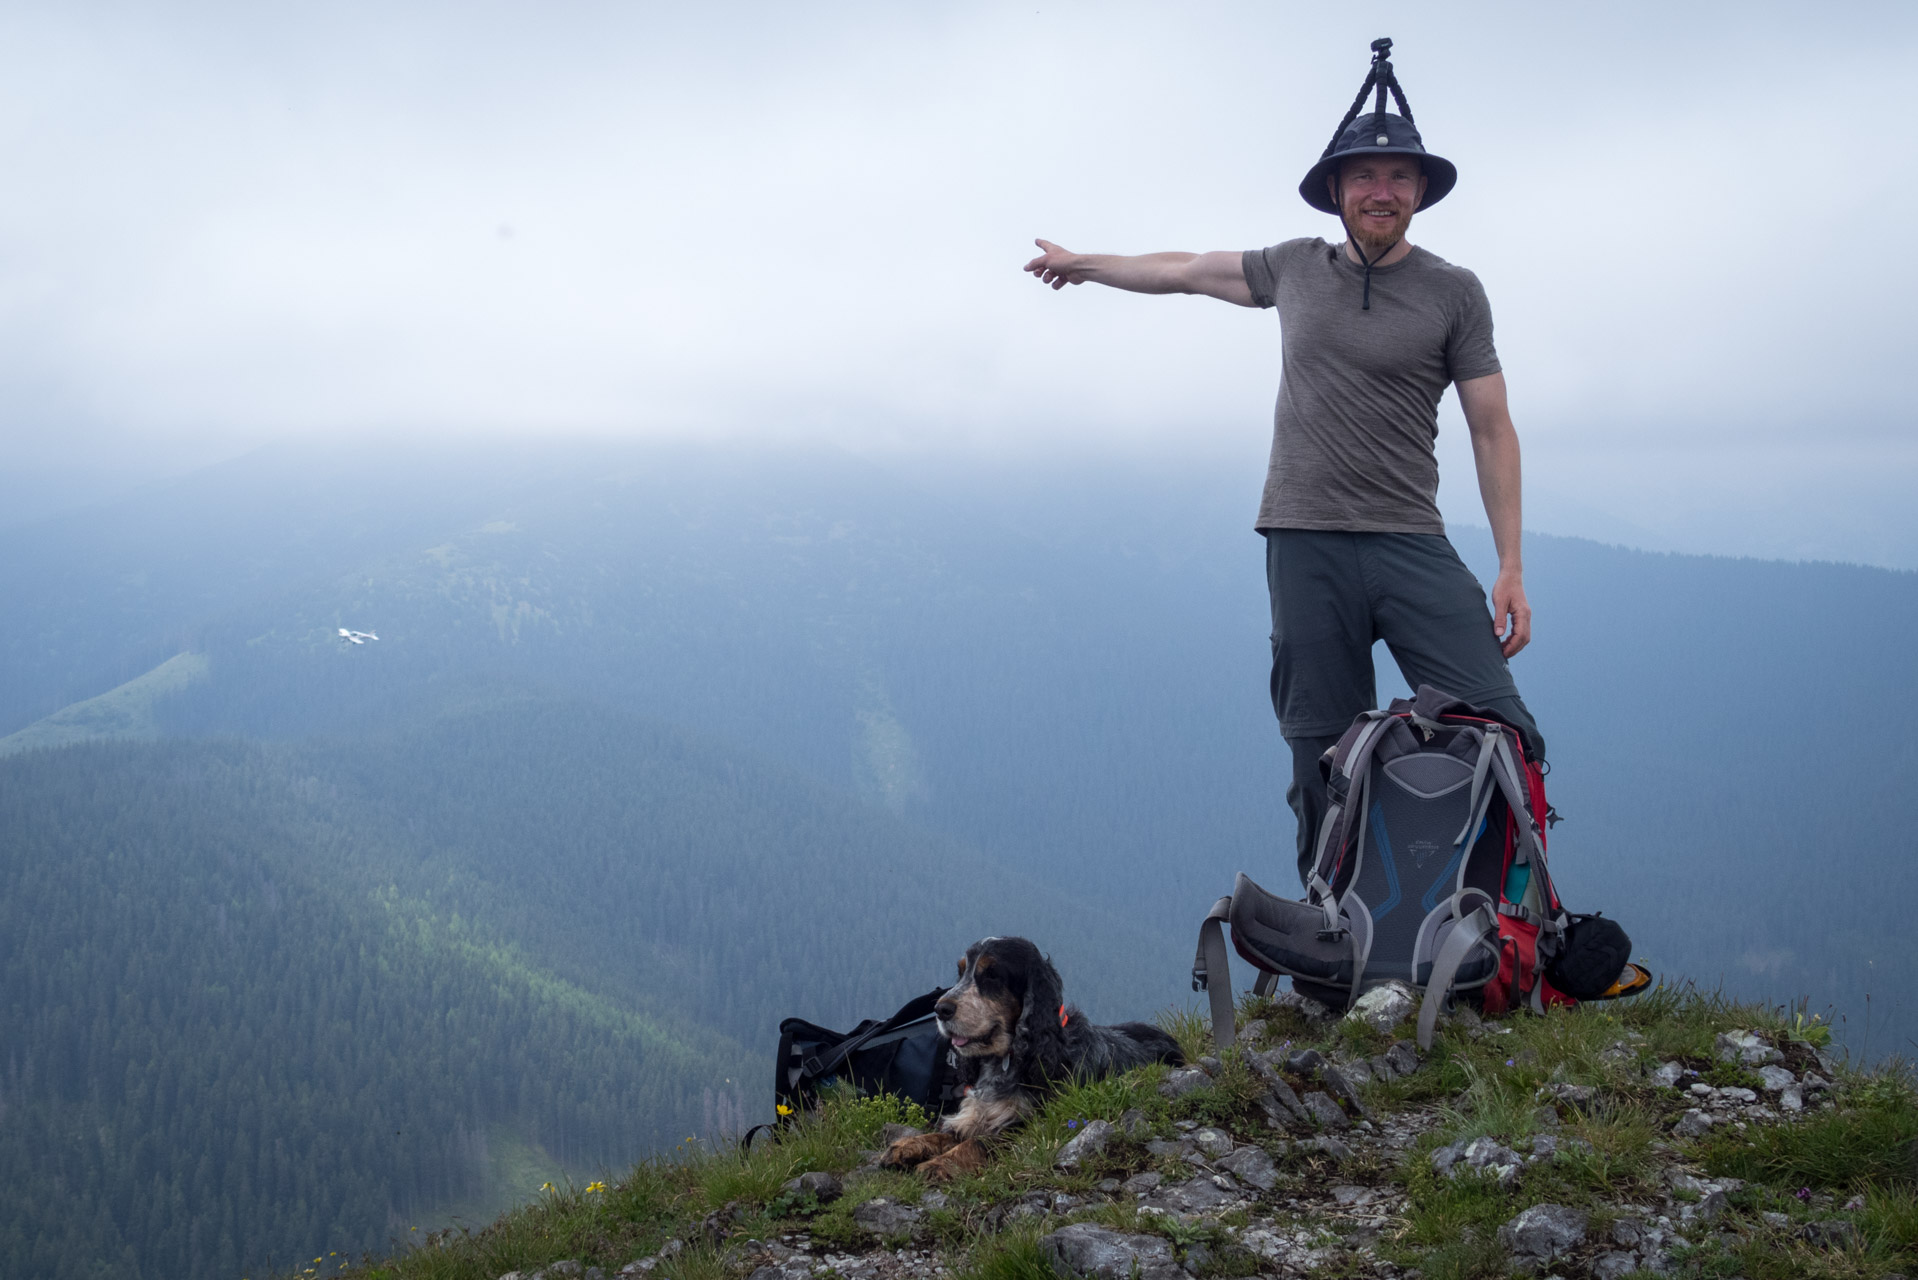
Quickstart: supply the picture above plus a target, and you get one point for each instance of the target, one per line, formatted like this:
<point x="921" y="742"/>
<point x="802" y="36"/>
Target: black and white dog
<point x="1014" y="1034"/>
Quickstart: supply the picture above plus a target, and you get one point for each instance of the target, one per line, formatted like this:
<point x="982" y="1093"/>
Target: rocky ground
<point x="1318" y="1146"/>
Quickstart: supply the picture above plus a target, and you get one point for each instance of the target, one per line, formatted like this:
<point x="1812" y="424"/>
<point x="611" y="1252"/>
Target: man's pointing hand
<point x="1056" y="266"/>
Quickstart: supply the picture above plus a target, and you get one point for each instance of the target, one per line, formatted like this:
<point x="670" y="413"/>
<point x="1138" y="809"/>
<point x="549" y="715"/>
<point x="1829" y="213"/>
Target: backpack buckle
<point x="1333" y="935"/>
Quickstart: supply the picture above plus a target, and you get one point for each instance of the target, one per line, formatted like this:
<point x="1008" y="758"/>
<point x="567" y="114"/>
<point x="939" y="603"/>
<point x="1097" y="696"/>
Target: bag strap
<point x="913" y="1010"/>
<point x="1212" y="972"/>
<point x="1465" y="935"/>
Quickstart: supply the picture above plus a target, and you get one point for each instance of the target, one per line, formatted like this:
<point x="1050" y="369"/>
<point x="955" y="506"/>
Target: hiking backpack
<point x="1430" y="869"/>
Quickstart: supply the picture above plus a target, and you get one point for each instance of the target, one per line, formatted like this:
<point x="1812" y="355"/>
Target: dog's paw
<point x="910" y="1153"/>
<point x="967" y="1157"/>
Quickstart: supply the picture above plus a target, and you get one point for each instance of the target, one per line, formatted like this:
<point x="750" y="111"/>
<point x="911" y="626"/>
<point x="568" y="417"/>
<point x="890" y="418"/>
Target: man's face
<point x="1378" y="195"/>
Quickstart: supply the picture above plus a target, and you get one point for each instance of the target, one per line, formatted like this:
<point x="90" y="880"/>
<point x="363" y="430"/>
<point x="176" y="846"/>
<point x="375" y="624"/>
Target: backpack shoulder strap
<point x="1458" y="944"/>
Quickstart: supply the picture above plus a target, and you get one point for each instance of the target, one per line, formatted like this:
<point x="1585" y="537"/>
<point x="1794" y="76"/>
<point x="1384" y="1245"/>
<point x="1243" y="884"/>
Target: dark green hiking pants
<point x="1333" y="596"/>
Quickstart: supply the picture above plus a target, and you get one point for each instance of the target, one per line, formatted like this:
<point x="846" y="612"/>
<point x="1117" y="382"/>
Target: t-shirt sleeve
<point x="1469" y="352"/>
<point x="1263" y="267"/>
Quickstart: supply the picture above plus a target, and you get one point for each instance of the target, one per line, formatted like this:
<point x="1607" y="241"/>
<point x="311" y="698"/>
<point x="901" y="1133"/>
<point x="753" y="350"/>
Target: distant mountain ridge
<point x="706" y="739"/>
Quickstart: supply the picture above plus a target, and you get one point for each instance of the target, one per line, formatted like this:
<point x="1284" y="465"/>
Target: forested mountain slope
<point x="266" y="1000"/>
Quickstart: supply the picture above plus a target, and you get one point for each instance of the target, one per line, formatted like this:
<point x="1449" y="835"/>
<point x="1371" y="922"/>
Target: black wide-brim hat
<point x="1377" y="133"/>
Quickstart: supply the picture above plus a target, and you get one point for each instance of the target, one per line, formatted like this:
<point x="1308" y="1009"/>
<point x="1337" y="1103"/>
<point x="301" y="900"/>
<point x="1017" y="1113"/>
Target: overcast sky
<point x="225" y="224"/>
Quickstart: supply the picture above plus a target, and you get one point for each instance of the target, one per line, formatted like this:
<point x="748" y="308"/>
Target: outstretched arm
<point x="1216" y="275"/>
<point x="1495" y="450"/>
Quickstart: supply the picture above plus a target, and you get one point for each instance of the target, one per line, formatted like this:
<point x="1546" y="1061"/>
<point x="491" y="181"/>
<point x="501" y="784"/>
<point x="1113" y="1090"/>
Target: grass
<point x="1496" y="1084"/>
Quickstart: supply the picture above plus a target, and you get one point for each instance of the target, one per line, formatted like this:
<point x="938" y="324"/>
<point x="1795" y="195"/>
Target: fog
<point x="228" y="225"/>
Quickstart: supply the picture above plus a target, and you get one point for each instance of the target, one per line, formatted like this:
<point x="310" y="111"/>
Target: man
<point x="1373" y="330"/>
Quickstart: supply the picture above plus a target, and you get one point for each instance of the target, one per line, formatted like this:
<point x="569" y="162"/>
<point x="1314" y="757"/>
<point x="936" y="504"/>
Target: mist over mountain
<point x="681" y="741"/>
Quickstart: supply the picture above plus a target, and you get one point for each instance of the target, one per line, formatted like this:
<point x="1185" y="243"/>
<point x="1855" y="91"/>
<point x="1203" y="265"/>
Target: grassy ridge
<point x="1860" y="1151"/>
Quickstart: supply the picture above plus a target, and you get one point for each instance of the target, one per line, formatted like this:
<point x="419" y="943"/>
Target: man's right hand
<point x="1214" y="275"/>
<point x="1056" y="266"/>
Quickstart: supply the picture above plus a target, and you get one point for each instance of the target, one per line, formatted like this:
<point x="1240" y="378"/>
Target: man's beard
<point x="1373" y="243"/>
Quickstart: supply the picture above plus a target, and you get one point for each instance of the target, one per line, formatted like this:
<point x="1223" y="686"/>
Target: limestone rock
<point x="1091" y="1141"/>
<point x="1611" y="1266"/>
<point x="1545" y="1231"/>
<point x="1384" y="1006"/>
<point x="1089" y="1252"/>
<point x="1141" y="1183"/>
<point x="822" y="1187"/>
<point x="1304" y="1062"/>
<point x="1776" y="1079"/>
<point x="1135" y="1125"/>
<point x="1252" y="1166"/>
<point x="1342" y="1088"/>
<point x="1325" y="1111"/>
<point x="1403" y="1057"/>
<point x="1668" y="1075"/>
<point x="1213" y="1142"/>
<point x="887" y="1218"/>
<point x="1178" y="1083"/>
<point x="1694" y="1123"/>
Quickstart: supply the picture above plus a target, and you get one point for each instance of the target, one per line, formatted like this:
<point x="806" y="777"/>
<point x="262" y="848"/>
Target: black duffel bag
<point x="903" y="1055"/>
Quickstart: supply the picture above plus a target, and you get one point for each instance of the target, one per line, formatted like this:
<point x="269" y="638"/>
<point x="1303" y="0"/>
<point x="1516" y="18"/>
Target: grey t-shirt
<point x="1352" y="437"/>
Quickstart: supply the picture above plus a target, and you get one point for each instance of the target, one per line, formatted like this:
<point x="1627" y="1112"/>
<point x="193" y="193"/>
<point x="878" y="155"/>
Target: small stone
<point x="1611" y="1266"/>
<point x="1791" y="1100"/>
<point x="822" y="1187"/>
<point x="1355" y="1070"/>
<point x="1711" y="1206"/>
<point x="1668" y="1075"/>
<point x="1325" y="1144"/>
<point x="1692" y="1124"/>
<point x="1629" y="1232"/>
<point x="1702" y="1091"/>
<point x="886" y="1218"/>
<point x="1203" y="1194"/>
<point x="1135" y="1125"/>
<point x="1578" y="1095"/>
<point x="1325" y="1111"/>
<point x="1775" y="1219"/>
<point x="1210" y="1065"/>
<point x="1252" y="1166"/>
<point x="1730" y="1044"/>
<point x="1087" y="1252"/>
<point x="1381" y="1067"/>
<point x="1253" y="1031"/>
<point x="1185" y="1126"/>
<point x="1544" y="1147"/>
<point x="1107" y="1185"/>
<point x="1812" y="1082"/>
<point x="1197" y="1259"/>
<point x="1384" y="1006"/>
<point x="1831" y="1233"/>
<point x="1214" y="1142"/>
<point x="1184" y="1080"/>
<point x="1161" y="1149"/>
<point x="1304" y="1062"/>
<point x="1404" y="1057"/>
<point x="1445" y="1157"/>
<point x="1090" y="1142"/>
<point x="1140" y="1183"/>
<point x="1760" y="1056"/>
<point x="1342" y="1088"/>
<point x="1736" y="1093"/>
<point x="1546" y="1118"/>
<point x="1776" y="1079"/>
<point x="938" y="1200"/>
<point x="1308" y="1008"/>
<point x="1545" y="1231"/>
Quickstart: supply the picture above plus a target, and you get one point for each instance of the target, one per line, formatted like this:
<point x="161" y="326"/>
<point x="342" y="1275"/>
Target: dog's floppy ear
<point x="1039" y="1039"/>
